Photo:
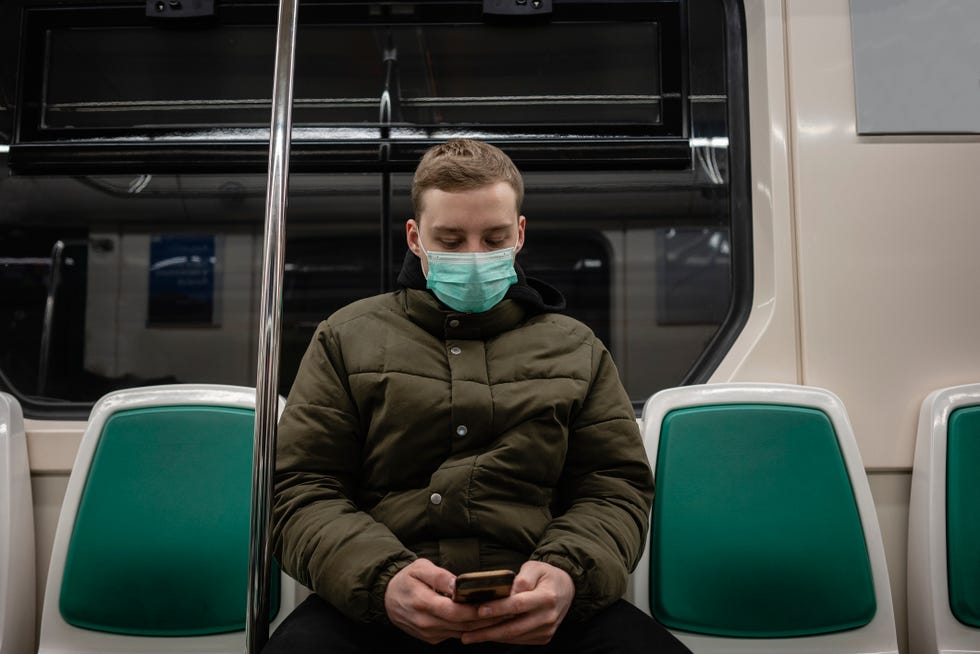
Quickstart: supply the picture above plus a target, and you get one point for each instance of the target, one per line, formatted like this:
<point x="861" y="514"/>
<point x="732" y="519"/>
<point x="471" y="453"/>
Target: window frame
<point x="529" y="155"/>
<point x="71" y="151"/>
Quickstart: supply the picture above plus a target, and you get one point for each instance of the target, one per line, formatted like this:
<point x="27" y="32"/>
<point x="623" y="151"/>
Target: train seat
<point x="764" y="536"/>
<point x="152" y="545"/>
<point x="944" y="525"/>
<point x="17" y="573"/>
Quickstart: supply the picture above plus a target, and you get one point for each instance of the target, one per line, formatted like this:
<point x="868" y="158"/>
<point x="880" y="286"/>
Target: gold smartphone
<point x="477" y="587"/>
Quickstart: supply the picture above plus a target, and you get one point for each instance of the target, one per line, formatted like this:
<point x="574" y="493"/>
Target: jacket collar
<point x="429" y="313"/>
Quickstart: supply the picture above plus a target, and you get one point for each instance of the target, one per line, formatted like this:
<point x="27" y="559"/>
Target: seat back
<point x="763" y="536"/>
<point x="152" y="543"/>
<point x="944" y="524"/>
<point x="17" y="575"/>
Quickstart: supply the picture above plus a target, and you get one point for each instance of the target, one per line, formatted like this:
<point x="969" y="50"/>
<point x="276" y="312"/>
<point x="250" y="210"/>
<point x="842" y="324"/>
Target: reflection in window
<point x="694" y="275"/>
<point x="136" y="302"/>
<point x="470" y="74"/>
<point x="156" y="278"/>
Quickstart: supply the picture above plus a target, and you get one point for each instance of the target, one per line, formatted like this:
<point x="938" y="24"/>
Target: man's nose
<point x="474" y="245"/>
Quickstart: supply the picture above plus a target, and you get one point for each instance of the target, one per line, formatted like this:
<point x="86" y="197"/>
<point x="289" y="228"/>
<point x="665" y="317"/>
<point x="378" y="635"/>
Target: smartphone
<point x="477" y="587"/>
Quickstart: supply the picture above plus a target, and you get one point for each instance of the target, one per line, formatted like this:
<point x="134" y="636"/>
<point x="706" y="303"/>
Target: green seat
<point x="944" y="524"/>
<point x="755" y="529"/>
<point x="963" y="514"/>
<point x="160" y="541"/>
<point x="764" y="537"/>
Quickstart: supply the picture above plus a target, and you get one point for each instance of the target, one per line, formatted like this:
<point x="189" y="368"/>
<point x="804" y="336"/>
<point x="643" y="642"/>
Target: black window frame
<point x="59" y="151"/>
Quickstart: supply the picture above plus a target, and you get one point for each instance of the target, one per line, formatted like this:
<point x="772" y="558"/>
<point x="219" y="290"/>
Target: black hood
<point x="535" y="295"/>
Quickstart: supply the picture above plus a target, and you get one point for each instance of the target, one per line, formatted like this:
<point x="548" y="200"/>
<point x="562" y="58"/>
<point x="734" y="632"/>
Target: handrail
<point x="54" y="279"/>
<point x="390" y="106"/>
<point x="270" y="327"/>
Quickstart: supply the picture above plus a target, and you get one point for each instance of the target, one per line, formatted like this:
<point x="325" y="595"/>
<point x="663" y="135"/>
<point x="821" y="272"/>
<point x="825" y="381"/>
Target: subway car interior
<point x="765" y="209"/>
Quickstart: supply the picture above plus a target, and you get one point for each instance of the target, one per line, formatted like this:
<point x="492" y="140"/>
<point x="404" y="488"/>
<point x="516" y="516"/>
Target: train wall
<point x="865" y="252"/>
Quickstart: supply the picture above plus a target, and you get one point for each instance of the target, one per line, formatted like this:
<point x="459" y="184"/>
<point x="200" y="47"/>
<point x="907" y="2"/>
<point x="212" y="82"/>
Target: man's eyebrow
<point x="459" y="230"/>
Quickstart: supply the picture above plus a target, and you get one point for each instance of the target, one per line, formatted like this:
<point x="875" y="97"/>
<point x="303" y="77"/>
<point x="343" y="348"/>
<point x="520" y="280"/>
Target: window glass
<point x="537" y="75"/>
<point x="563" y="73"/>
<point x="143" y="277"/>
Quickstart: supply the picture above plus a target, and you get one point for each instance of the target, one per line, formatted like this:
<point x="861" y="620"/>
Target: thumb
<point x="529" y="576"/>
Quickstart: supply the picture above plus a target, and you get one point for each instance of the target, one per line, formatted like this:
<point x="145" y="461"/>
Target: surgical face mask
<point x="472" y="282"/>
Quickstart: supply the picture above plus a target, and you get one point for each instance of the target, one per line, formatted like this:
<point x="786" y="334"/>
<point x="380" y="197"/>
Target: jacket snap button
<point x="455" y="349"/>
<point x="461" y="431"/>
<point x="454" y="323"/>
<point x="435" y="498"/>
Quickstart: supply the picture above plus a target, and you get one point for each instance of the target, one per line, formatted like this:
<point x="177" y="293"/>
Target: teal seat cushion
<point x="963" y="514"/>
<point x="755" y="529"/>
<point x="160" y="543"/>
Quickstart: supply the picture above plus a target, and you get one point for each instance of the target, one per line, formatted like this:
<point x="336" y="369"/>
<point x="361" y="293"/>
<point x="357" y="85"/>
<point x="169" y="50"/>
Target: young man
<point x="460" y="424"/>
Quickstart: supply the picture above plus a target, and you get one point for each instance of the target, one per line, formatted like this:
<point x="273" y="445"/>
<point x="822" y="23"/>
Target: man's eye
<point x="450" y="244"/>
<point x="495" y="242"/>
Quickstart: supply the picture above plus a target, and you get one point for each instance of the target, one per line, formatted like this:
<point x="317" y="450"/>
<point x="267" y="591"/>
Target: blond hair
<point x="464" y="165"/>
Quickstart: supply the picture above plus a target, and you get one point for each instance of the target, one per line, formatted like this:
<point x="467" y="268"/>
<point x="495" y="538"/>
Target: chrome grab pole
<point x="267" y="373"/>
<point x="54" y="279"/>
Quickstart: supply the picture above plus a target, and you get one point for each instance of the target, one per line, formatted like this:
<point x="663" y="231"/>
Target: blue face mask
<point x="472" y="282"/>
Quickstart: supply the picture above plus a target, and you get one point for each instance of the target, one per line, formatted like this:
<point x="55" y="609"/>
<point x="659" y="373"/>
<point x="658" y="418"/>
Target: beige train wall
<point x="865" y="264"/>
<point x="865" y="252"/>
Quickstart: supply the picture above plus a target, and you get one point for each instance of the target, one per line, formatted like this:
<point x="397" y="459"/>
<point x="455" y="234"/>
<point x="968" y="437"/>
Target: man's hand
<point x="416" y="602"/>
<point x="538" y="603"/>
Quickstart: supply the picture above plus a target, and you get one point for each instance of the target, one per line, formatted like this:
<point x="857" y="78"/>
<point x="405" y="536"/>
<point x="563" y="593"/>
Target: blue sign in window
<point x="181" y="285"/>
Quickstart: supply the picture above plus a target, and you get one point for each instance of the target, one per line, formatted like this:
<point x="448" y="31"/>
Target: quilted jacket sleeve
<point x="604" y="497"/>
<point x="320" y="536"/>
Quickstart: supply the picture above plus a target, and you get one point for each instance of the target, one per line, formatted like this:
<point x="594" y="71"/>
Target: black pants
<point x="315" y="627"/>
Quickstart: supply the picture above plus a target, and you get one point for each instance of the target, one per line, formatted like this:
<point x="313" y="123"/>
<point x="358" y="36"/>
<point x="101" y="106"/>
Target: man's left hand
<point x="539" y="600"/>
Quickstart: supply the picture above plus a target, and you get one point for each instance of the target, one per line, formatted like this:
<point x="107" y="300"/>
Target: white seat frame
<point x="932" y="626"/>
<point x="17" y="572"/>
<point x="879" y="635"/>
<point x="59" y="637"/>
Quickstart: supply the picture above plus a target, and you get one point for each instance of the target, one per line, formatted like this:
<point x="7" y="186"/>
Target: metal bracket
<point x="517" y="7"/>
<point x="178" y="9"/>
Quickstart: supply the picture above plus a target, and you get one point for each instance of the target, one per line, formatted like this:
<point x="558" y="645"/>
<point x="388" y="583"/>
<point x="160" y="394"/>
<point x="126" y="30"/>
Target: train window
<point x="133" y="199"/>
<point x="106" y="89"/>
<point x="455" y="74"/>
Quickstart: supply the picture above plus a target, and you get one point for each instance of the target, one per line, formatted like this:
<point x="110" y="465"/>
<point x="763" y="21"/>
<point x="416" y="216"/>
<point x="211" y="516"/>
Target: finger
<point x="436" y="578"/>
<point x="523" y="602"/>
<point x="476" y="625"/>
<point x="426" y="623"/>
<point x="452" y="612"/>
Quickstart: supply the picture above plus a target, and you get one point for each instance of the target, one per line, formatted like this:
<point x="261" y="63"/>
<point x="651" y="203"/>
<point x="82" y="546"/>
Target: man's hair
<point x="464" y="165"/>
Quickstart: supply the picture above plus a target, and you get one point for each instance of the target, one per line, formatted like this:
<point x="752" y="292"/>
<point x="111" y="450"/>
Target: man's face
<point x="480" y="220"/>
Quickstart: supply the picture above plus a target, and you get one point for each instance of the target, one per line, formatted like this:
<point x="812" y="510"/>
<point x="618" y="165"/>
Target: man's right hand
<point x="418" y="602"/>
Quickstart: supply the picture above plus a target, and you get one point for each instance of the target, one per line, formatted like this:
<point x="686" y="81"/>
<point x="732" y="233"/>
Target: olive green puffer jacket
<point x="478" y="441"/>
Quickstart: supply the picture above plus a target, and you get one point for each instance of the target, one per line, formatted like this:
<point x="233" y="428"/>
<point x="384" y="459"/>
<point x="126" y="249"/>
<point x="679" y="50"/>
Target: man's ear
<point x="521" y="222"/>
<point x="412" y="236"/>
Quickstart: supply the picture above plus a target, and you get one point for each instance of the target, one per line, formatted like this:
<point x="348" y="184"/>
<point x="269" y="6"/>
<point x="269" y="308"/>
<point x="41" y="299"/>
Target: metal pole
<point x="54" y="279"/>
<point x="389" y="103"/>
<point x="267" y="373"/>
